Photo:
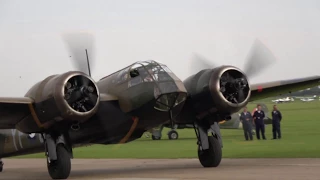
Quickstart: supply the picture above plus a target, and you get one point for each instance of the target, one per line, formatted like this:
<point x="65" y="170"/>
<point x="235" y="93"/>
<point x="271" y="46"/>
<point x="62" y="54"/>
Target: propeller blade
<point x="77" y="44"/>
<point x="258" y="59"/>
<point x="199" y="63"/>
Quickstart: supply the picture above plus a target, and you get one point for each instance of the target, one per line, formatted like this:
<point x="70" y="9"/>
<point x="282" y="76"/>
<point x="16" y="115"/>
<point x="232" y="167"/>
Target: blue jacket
<point x="259" y="116"/>
<point x="276" y="116"/>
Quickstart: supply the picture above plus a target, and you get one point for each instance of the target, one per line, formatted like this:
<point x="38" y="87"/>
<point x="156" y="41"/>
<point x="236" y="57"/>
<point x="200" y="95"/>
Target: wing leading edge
<point x="270" y="89"/>
<point x="13" y="110"/>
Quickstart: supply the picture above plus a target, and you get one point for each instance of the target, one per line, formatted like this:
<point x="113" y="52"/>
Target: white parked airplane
<point x="308" y="99"/>
<point x="287" y="99"/>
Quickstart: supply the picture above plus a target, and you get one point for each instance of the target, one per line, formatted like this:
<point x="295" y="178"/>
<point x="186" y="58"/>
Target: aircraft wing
<point x="275" y="88"/>
<point x="13" y="110"/>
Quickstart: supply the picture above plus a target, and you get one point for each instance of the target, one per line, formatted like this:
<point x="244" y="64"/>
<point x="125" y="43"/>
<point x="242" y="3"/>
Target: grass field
<point x="300" y="128"/>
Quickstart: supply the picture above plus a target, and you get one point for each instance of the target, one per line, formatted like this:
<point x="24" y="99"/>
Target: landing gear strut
<point x="59" y="154"/>
<point x="209" y="147"/>
<point x="173" y="134"/>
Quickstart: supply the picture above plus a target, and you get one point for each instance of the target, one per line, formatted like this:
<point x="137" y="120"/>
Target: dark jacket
<point x="276" y="116"/>
<point x="259" y="116"/>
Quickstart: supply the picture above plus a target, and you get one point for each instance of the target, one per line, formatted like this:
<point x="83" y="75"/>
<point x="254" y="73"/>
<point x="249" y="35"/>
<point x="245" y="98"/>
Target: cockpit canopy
<point x="167" y="88"/>
<point x="146" y="71"/>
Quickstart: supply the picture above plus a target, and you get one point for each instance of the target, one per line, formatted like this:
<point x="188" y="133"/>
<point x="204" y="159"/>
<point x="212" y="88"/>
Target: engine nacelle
<point x="71" y="96"/>
<point x="224" y="89"/>
<point x="229" y="88"/>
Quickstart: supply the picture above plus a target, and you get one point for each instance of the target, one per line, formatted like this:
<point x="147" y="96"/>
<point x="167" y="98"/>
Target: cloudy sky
<point x="168" y="31"/>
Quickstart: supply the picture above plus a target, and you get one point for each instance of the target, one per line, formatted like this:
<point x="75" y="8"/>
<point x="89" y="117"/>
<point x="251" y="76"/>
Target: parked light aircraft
<point x="282" y="100"/>
<point x="308" y="99"/>
<point x="69" y="110"/>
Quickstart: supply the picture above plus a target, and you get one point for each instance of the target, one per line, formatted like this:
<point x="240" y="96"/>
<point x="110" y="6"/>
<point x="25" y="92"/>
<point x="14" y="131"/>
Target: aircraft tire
<point x="155" y="137"/>
<point x="211" y="157"/>
<point x="60" y="168"/>
<point x="173" y="135"/>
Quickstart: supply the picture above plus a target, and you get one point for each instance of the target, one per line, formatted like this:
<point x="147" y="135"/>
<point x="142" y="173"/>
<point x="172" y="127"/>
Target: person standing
<point x="245" y="118"/>
<point x="276" y="118"/>
<point x="258" y="118"/>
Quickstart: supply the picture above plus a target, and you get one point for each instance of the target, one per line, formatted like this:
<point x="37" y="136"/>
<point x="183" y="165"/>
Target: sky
<point x="171" y="32"/>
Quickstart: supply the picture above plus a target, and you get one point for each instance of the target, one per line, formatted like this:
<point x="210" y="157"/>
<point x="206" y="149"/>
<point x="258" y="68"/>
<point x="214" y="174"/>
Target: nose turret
<point x="169" y="90"/>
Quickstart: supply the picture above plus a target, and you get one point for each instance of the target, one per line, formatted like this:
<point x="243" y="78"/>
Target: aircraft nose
<point x="167" y="101"/>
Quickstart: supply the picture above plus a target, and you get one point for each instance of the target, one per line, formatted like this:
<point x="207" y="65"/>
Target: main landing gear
<point x="59" y="154"/>
<point x="209" y="147"/>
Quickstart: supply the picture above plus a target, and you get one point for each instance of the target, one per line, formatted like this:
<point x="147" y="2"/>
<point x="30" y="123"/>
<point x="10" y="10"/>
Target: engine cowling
<point x="71" y="96"/>
<point x="229" y="88"/>
<point x="223" y="89"/>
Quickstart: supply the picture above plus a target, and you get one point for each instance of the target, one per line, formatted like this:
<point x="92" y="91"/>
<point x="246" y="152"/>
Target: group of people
<point x="256" y="119"/>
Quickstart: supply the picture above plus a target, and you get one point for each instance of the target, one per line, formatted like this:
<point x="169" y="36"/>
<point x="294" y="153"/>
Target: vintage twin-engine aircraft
<point x="71" y="109"/>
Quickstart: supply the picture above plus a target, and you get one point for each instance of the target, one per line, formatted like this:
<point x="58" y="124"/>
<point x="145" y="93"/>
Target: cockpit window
<point x="136" y="73"/>
<point x="157" y="72"/>
<point x="122" y="76"/>
<point x="149" y="71"/>
<point x="135" y="70"/>
<point x="166" y="69"/>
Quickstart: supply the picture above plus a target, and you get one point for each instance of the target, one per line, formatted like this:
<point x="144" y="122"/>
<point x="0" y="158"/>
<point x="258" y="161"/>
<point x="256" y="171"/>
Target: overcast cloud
<point x="168" y="31"/>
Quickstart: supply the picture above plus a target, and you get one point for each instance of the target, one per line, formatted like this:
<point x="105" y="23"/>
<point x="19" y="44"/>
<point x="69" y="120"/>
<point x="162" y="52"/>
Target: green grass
<point x="300" y="128"/>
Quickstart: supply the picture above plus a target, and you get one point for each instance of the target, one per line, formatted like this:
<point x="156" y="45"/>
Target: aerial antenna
<point x="88" y="63"/>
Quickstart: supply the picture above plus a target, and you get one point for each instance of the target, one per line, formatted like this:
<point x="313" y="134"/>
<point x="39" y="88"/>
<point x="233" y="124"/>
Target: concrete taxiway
<point x="168" y="169"/>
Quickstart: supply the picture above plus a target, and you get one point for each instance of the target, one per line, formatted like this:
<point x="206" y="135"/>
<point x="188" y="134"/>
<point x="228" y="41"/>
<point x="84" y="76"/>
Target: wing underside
<point x="275" y="88"/>
<point x="13" y="110"/>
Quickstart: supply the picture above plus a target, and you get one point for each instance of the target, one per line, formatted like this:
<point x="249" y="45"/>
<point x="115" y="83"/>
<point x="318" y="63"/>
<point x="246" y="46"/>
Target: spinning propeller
<point x="80" y="46"/>
<point x="80" y="91"/>
<point x="233" y="84"/>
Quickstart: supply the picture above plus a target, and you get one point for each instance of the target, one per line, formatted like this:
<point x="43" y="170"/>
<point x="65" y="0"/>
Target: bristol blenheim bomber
<point x="69" y="110"/>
